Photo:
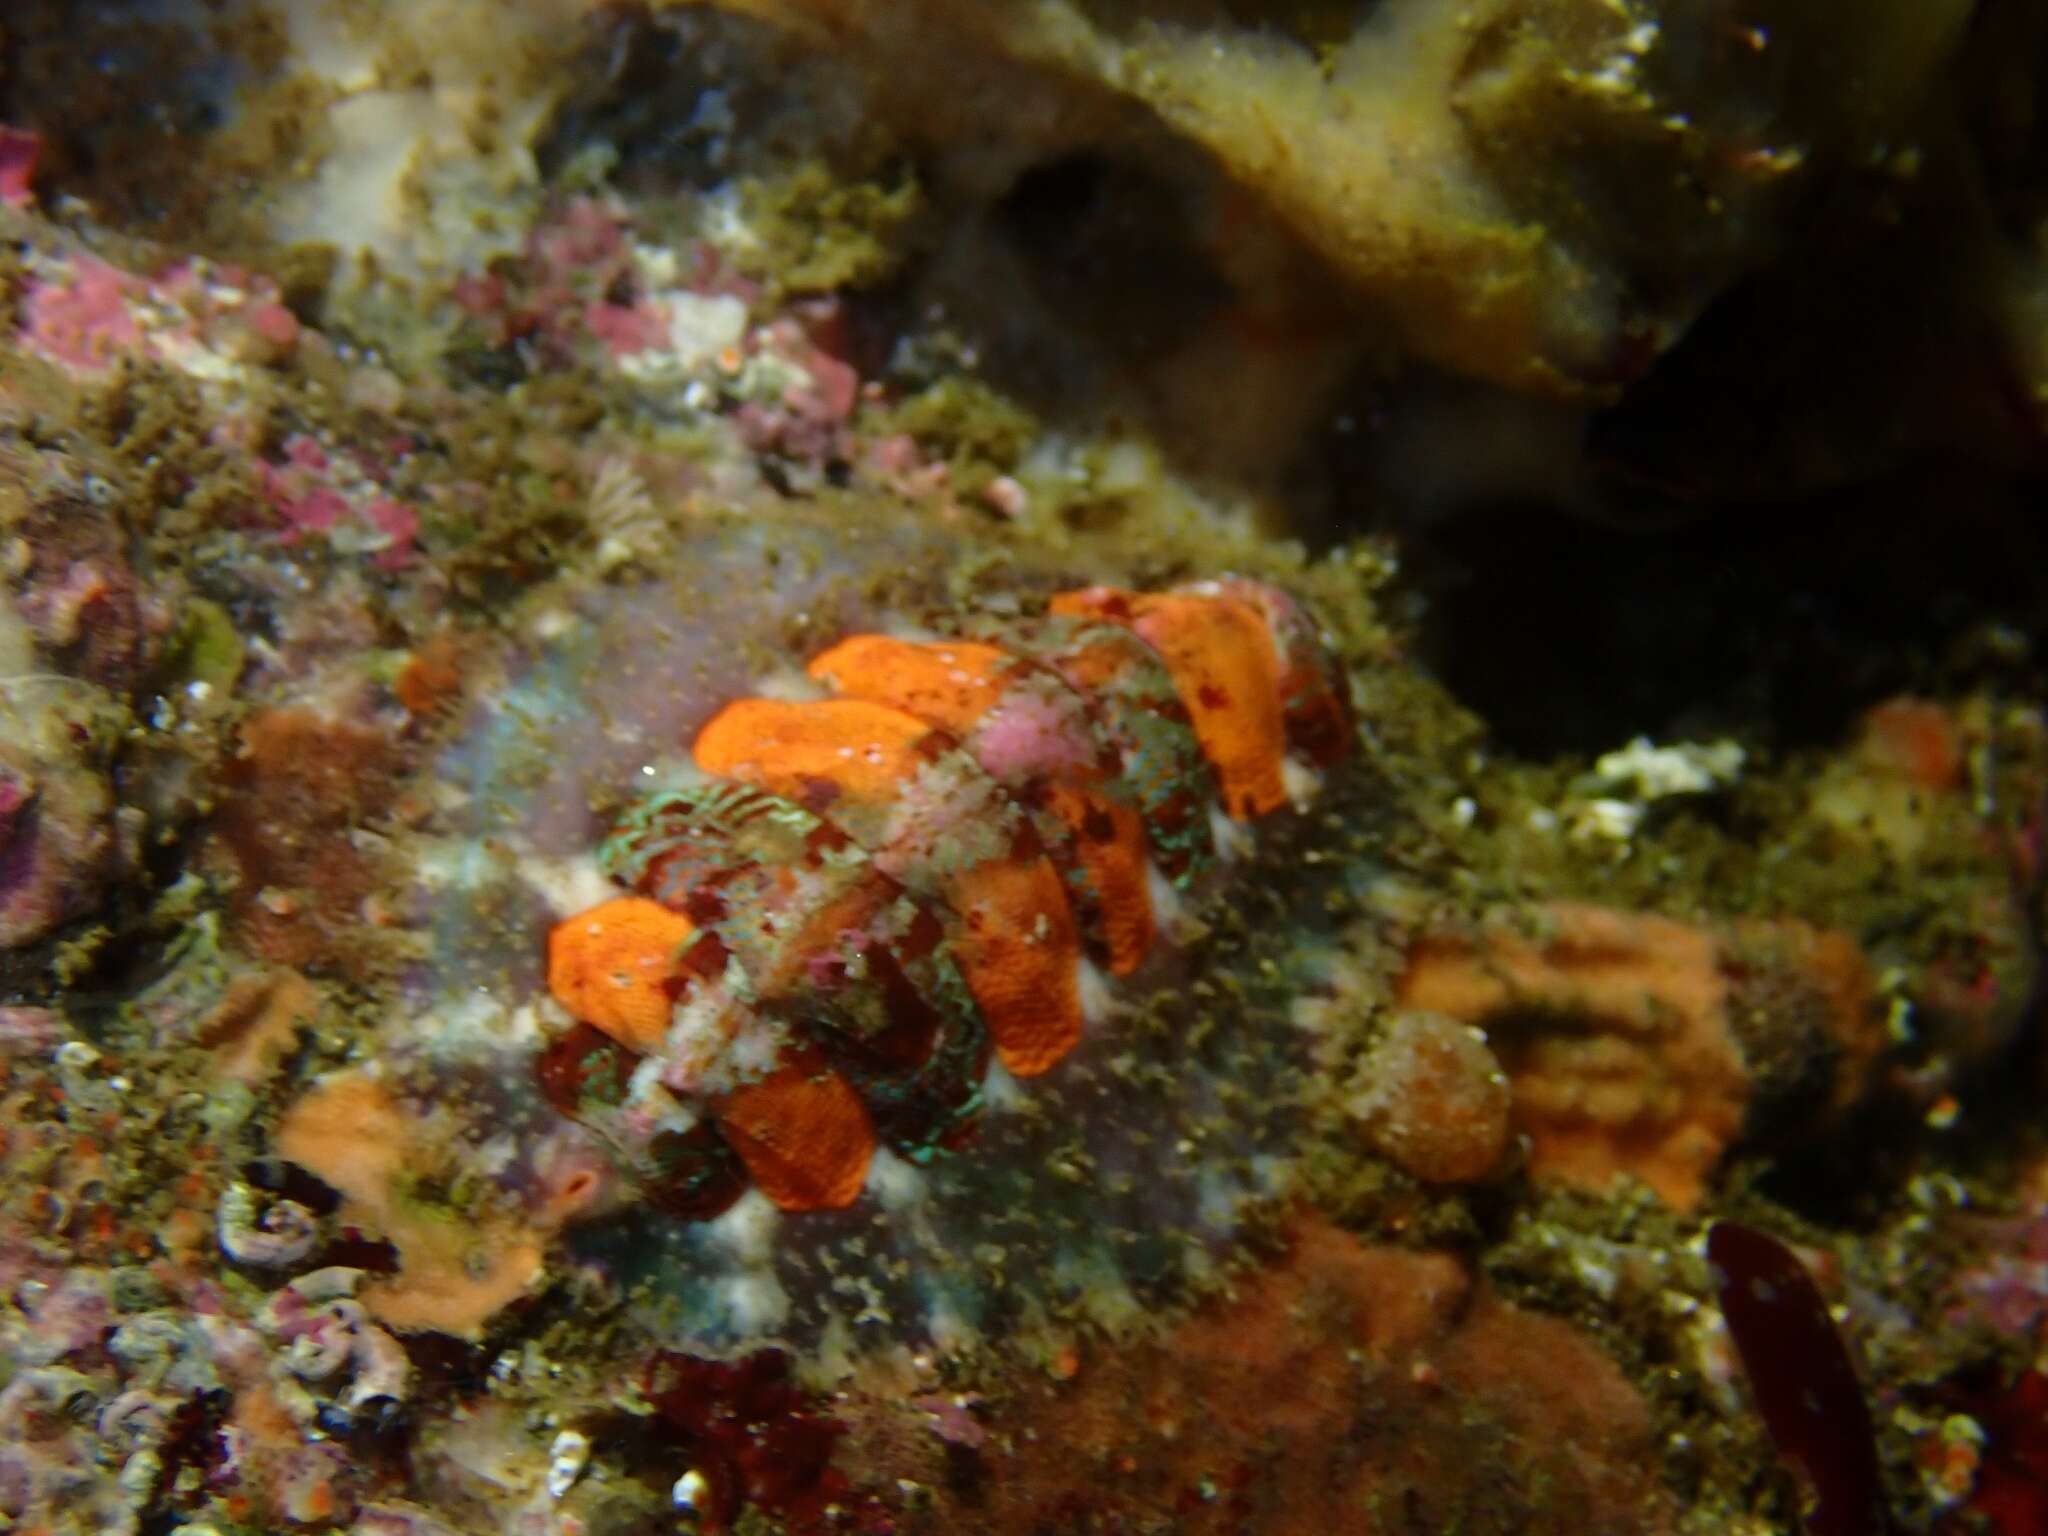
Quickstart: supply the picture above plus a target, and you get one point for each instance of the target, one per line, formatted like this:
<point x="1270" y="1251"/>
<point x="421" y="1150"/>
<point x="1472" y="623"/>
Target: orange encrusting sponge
<point x="1018" y="954"/>
<point x="802" y="1132"/>
<point x="864" y="751"/>
<point x="1016" y="948"/>
<point x="1220" y="653"/>
<point x="951" y="683"/>
<point x="1110" y="839"/>
<point x="958" y="685"/>
<point x="613" y="966"/>
<point x="804" y="1135"/>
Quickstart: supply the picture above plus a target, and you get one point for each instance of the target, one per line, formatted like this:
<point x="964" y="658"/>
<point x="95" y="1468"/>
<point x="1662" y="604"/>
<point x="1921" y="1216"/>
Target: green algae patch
<point x="206" y="647"/>
<point x="816" y="231"/>
<point x="976" y="431"/>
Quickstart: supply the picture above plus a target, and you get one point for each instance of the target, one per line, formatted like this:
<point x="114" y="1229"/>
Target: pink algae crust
<point x="19" y="151"/>
<point x="315" y="492"/>
<point x="84" y="321"/>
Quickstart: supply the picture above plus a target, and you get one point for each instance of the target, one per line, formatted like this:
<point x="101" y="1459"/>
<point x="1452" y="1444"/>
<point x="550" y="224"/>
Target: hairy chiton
<point x="936" y="983"/>
<point x="874" y="892"/>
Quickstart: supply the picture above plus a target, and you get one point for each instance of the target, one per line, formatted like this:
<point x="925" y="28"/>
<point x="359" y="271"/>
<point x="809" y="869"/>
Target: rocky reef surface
<point x="1449" y="933"/>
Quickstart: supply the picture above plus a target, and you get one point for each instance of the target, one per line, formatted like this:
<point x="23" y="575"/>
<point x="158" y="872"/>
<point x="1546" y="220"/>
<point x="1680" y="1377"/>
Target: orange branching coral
<point x="802" y="1130"/>
<point x="858" y="749"/>
<point x="1614" y="1030"/>
<point x="454" y="1273"/>
<point x="949" y="683"/>
<point x="1018" y="957"/>
<point x="612" y="967"/>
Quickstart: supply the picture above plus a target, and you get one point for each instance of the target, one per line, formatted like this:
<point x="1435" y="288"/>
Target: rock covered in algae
<point x="1433" y="1099"/>
<point x="60" y="846"/>
<point x="1542" y="196"/>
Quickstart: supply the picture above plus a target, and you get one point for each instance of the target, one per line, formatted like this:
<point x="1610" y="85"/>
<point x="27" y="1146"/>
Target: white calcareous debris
<point x="567" y="1458"/>
<point x="1609" y="804"/>
<point x="1644" y="771"/>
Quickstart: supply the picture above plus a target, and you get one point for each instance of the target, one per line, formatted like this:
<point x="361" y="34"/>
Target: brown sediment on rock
<point x="1806" y="1008"/>
<point x="1637" y="1046"/>
<point x="456" y="1269"/>
<point x="1939" y="806"/>
<point x="1344" y="1387"/>
<point x="303" y="785"/>
<point x="71" y="581"/>
<point x="63" y="840"/>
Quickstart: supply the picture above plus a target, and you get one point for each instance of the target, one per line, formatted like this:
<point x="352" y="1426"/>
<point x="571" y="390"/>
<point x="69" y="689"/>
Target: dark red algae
<point x="2011" y="1493"/>
<point x="1801" y="1375"/>
<point x="753" y="1435"/>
